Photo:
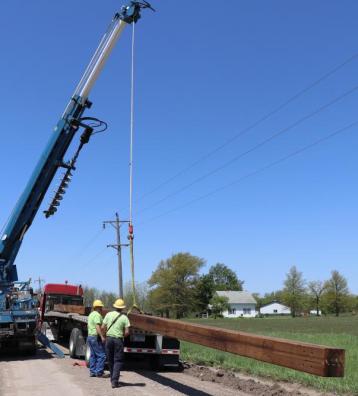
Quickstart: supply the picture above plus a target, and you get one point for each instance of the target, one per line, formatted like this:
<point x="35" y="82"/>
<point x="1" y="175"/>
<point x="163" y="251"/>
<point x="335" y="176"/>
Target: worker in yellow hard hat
<point x="115" y="327"/>
<point x="96" y="340"/>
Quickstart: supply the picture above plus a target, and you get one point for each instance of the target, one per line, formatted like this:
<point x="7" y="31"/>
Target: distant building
<point x="275" y="308"/>
<point x="241" y="304"/>
<point x="313" y="312"/>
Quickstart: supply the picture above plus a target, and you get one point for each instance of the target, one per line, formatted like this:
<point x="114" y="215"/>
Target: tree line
<point x="331" y="296"/>
<point x="177" y="289"/>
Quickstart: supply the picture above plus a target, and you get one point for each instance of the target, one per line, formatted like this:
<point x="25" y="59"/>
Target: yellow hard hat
<point x="119" y="304"/>
<point x="97" y="304"/>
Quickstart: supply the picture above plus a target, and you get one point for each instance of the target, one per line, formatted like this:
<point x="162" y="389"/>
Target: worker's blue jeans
<point x="115" y="357"/>
<point x="98" y="355"/>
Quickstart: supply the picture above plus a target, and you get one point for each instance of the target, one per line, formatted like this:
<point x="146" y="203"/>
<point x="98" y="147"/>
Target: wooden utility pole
<point x="116" y="224"/>
<point x="309" y="358"/>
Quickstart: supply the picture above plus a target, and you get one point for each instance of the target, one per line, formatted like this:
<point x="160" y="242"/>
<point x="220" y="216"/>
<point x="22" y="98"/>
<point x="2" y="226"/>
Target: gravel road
<point x="48" y="376"/>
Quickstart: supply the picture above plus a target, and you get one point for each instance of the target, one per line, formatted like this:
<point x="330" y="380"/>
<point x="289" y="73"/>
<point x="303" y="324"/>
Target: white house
<point x="314" y="312"/>
<point x="275" y="308"/>
<point x="241" y="304"/>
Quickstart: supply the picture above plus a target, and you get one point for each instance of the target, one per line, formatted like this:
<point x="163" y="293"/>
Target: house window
<point x="232" y="311"/>
<point x="247" y="311"/>
<point x="275" y="311"/>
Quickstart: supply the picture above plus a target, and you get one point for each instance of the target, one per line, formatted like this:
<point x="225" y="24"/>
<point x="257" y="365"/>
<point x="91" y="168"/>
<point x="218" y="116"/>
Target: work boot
<point x="102" y="375"/>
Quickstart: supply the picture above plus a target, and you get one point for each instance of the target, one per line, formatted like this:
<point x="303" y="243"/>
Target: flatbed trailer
<point x="67" y="323"/>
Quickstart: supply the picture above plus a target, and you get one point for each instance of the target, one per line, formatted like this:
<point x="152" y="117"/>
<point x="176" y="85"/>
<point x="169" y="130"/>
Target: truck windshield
<point x="55" y="299"/>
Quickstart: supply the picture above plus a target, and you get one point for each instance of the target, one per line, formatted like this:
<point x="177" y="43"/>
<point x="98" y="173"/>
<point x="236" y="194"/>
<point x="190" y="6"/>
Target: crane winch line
<point x="130" y="224"/>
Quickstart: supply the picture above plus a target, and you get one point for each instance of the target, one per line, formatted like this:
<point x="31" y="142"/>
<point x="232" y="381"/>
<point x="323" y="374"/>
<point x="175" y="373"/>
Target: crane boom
<point x="53" y="156"/>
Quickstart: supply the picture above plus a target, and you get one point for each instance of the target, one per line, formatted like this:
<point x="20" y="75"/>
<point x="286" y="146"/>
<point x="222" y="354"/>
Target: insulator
<point x="56" y="203"/>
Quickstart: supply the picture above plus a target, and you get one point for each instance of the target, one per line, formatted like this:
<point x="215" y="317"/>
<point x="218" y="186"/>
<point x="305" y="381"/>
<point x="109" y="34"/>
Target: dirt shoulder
<point x="248" y="384"/>
<point x="46" y="375"/>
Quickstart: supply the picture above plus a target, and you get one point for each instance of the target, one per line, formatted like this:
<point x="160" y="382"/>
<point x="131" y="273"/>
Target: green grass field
<point x="339" y="332"/>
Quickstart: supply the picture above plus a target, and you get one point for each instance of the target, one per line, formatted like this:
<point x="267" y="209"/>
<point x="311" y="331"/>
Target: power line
<point x="89" y="243"/>
<point x="257" y="171"/>
<point x="252" y="126"/>
<point x="93" y="259"/>
<point x="254" y="148"/>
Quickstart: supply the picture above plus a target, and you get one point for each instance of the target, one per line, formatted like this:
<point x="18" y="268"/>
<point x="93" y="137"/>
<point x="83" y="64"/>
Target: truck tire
<point x="75" y="336"/>
<point x="32" y="350"/>
<point x="168" y="362"/>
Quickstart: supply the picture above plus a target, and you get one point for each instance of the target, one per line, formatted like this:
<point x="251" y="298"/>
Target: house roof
<point x="274" y="302"/>
<point x="237" y="297"/>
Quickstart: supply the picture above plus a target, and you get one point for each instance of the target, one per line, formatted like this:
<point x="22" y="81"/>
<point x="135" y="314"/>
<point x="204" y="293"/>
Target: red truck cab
<point x="57" y="293"/>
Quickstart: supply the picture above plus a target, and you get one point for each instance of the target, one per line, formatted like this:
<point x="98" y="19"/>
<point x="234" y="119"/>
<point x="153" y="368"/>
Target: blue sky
<point x="203" y="74"/>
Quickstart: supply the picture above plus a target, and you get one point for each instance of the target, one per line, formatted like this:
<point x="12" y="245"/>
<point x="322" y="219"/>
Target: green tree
<point x="259" y="300"/>
<point x="270" y="297"/>
<point x="336" y="293"/>
<point x="294" y="291"/>
<point x="89" y="295"/>
<point x="160" y="301"/>
<point x="224" y="278"/>
<point x="173" y="285"/>
<point x="141" y="290"/>
<point x="355" y="304"/>
<point x="108" y="298"/>
<point x="219" y="304"/>
<point x="316" y="289"/>
<point x="204" y="292"/>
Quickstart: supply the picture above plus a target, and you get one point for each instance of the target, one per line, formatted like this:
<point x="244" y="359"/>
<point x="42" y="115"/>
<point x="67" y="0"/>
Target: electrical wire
<point x="253" y="125"/>
<point x="93" y="259"/>
<point x="257" y="171"/>
<point x="89" y="243"/>
<point x="254" y="148"/>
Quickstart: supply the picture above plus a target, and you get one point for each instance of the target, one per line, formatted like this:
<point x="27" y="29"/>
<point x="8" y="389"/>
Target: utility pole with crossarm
<point x="116" y="224"/>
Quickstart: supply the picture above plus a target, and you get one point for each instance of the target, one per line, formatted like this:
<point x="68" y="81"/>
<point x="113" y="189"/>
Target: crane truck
<point x="19" y="315"/>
